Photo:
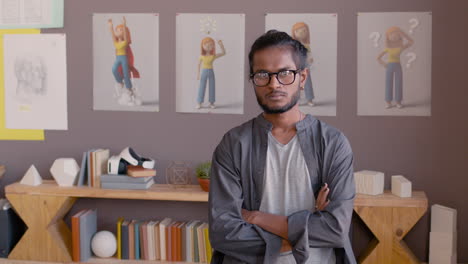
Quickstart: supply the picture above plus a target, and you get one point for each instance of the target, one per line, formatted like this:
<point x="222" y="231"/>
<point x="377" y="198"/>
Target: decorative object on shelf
<point x="129" y="155"/>
<point x="401" y="186"/>
<point x="2" y="170"/>
<point x="369" y="182"/>
<point x="32" y="177"/>
<point x="65" y="171"/>
<point x="443" y="235"/>
<point x="203" y="174"/>
<point x="178" y="173"/>
<point x="104" y="244"/>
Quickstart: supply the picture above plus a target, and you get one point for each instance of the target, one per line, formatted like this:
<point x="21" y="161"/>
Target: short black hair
<point x="275" y="38"/>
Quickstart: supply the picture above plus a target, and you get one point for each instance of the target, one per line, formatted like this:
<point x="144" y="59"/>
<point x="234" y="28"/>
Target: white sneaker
<point x="212" y="106"/>
<point x="399" y="106"/>
<point x="135" y="96"/>
<point x="388" y="106"/>
<point x="198" y="106"/>
<point x="126" y="98"/>
<point x="310" y="103"/>
<point x="118" y="90"/>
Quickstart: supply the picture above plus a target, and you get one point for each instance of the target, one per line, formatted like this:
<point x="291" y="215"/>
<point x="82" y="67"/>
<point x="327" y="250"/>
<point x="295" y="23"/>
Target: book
<point x="157" y="246"/>
<point x="139" y="171"/>
<point x="208" y="248"/>
<point x="169" y="241"/>
<point x="127" y="186"/>
<point x="89" y="168"/>
<point x="162" y="237"/>
<point x="119" y="237"/>
<point x="83" y="171"/>
<point x="75" y="223"/>
<point x="101" y="157"/>
<point x="189" y="241"/>
<point x="131" y="240"/>
<point x="150" y="237"/>
<point x="123" y="178"/>
<point x="196" y="252"/>
<point x="137" y="240"/>
<point x="183" y="242"/>
<point x="125" y="240"/>
<point x="174" y="241"/>
<point x="201" y="243"/>
<point x="88" y="227"/>
<point x="143" y="241"/>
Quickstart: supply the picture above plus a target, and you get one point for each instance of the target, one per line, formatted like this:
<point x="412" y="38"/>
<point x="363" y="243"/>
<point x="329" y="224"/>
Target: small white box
<point x="401" y="186"/>
<point x="443" y="219"/>
<point x="369" y="182"/>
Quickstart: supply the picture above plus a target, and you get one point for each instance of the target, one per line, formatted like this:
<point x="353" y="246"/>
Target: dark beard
<point x="294" y="99"/>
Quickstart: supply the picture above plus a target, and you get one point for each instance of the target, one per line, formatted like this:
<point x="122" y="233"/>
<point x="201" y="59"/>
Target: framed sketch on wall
<point x="35" y="81"/>
<point x="210" y="63"/>
<point x="126" y="62"/>
<point x="318" y="33"/>
<point x="394" y="64"/>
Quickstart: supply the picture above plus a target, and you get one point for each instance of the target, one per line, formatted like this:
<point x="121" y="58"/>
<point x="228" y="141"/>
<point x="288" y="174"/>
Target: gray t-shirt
<point x="287" y="189"/>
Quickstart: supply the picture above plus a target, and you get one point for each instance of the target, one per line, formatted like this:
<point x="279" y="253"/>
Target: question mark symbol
<point x="375" y="36"/>
<point x="414" y="24"/>
<point x="412" y="57"/>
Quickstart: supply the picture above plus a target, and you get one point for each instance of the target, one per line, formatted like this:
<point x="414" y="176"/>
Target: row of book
<point x="84" y="226"/>
<point x="165" y="240"/>
<point x="93" y="165"/>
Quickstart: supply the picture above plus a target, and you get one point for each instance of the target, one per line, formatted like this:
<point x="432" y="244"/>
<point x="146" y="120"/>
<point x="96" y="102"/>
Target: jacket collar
<point x="301" y="125"/>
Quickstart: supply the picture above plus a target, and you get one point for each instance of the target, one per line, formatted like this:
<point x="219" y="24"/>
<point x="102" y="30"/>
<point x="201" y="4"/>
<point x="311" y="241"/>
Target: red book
<point x="75" y="221"/>
<point x="138" y="171"/>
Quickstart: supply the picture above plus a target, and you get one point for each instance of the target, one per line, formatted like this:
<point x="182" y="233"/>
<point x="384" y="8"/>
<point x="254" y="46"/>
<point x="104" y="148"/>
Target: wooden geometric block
<point x="32" y="177"/>
<point x="2" y="170"/>
<point x="443" y="219"/>
<point x="369" y="182"/>
<point x="401" y="187"/>
<point x="443" y="242"/>
<point x="48" y="238"/>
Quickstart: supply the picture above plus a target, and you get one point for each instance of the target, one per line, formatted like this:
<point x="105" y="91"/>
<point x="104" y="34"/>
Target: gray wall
<point x="430" y="151"/>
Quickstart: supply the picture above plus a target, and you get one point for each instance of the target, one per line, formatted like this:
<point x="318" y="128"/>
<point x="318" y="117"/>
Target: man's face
<point x="276" y="97"/>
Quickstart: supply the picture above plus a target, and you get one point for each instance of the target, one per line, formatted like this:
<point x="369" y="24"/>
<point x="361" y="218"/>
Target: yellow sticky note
<point x="14" y="134"/>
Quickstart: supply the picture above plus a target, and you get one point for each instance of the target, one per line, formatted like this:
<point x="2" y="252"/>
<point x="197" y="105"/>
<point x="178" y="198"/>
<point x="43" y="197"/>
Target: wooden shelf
<point x="96" y="261"/>
<point x="163" y="192"/>
<point x="387" y="199"/>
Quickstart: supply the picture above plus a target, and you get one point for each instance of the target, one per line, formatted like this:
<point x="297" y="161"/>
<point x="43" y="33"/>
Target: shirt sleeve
<point x="328" y="228"/>
<point x="229" y="233"/>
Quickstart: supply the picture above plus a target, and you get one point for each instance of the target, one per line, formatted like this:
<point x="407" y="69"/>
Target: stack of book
<point x="126" y="182"/>
<point x="165" y="240"/>
<point x="84" y="226"/>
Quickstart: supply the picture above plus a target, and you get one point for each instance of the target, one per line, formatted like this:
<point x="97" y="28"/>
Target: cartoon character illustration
<point x="394" y="46"/>
<point x="207" y="57"/>
<point x="300" y="32"/>
<point x="123" y="68"/>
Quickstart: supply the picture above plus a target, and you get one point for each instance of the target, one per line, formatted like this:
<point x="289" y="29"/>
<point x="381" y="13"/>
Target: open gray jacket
<point x="237" y="175"/>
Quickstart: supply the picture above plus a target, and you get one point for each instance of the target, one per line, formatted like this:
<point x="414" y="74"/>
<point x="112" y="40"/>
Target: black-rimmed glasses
<point x="284" y="77"/>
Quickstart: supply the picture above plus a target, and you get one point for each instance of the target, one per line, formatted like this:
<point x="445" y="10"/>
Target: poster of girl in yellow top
<point x="210" y="63"/>
<point x="126" y="66"/>
<point x="318" y="33"/>
<point x="394" y="63"/>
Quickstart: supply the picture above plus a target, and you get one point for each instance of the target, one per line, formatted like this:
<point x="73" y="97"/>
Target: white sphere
<point x="104" y="244"/>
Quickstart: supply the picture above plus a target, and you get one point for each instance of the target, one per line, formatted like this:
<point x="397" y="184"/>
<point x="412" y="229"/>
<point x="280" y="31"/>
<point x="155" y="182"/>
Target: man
<point x="267" y="172"/>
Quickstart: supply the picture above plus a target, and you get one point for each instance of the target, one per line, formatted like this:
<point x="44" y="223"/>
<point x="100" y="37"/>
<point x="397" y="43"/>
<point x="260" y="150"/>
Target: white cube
<point x="401" y="186"/>
<point x="369" y="182"/>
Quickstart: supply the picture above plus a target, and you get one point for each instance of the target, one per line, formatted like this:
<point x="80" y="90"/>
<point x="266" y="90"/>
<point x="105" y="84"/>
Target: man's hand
<point x="322" y="200"/>
<point x="249" y="216"/>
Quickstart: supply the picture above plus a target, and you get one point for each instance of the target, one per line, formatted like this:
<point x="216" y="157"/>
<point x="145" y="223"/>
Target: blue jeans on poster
<point x="122" y="60"/>
<point x="309" y="89"/>
<point x="206" y="75"/>
<point x="393" y="71"/>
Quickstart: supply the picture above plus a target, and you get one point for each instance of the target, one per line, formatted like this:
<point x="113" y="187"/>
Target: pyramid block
<point x="401" y="186"/>
<point x="65" y="171"/>
<point x="369" y="182"/>
<point x="32" y="177"/>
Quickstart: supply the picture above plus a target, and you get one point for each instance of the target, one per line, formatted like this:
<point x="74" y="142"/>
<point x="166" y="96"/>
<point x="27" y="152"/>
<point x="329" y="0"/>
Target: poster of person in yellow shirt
<point x="126" y="62"/>
<point x="394" y="63"/>
<point x="207" y="57"/>
<point x="210" y="59"/>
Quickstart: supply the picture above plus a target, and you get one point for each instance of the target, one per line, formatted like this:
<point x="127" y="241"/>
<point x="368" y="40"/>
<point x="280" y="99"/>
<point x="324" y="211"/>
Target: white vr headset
<point x="118" y="164"/>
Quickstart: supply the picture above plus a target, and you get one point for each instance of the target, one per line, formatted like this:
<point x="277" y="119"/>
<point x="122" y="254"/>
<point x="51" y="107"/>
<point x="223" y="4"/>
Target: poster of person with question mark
<point x="394" y="64"/>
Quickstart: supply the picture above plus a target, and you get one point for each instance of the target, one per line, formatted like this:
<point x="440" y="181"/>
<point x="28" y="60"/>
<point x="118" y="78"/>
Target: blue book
<point x="83" y="170"/>
<point x="137" y="240"/>
<point x="88" y="227"/>
<point x="121" y="178"/>
<point x="125" y="240"/>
